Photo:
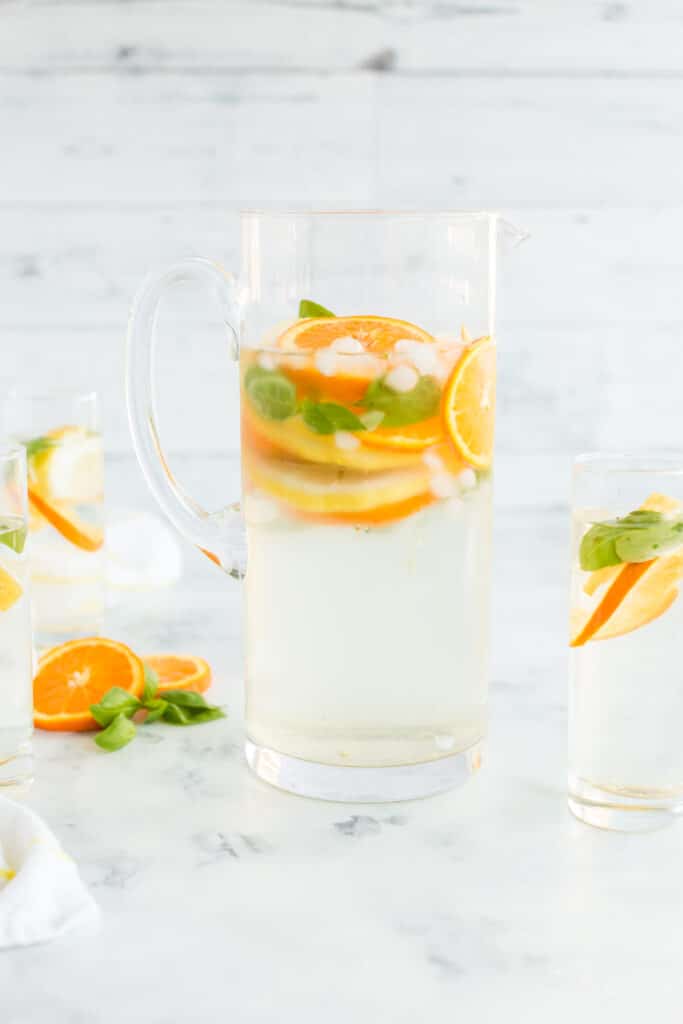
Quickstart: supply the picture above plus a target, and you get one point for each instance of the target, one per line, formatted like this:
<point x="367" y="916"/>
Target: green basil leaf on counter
<point x="118" y="733"/>
<point x="115" y="702"/>
<point x="151" y="684"/>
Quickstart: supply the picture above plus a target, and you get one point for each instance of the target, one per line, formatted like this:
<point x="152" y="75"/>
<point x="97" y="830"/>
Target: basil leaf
<point x="636" y="537"/>
<point x="13" y="534"/>
<point x="208" y="714"/>
<point x="185" y="699"/>
<point x="312" y="309"/>
<point x="598" y="548"/>
<point x="117" y="734"/>
<point x="271" y="393"/>
<point x="155" y="710"/>
<point x="402" y="408"/>
<point x="641" y="545"/>
<point x="176" y="716"/>
<point x="115" y="702"/>
<point x="38" y="445"/>
<point x="151" y="684"/>
<point x="328" y="417"/>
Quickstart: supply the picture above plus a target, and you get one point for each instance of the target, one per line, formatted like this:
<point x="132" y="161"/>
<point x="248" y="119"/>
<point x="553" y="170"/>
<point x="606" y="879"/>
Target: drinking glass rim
<point x="635" y="462"/>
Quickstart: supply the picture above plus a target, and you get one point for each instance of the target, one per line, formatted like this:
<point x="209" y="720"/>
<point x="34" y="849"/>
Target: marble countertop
<point x="224" y="899"/>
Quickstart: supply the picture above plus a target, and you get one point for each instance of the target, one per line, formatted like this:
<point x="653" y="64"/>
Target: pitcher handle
<point x="219" y="535"/>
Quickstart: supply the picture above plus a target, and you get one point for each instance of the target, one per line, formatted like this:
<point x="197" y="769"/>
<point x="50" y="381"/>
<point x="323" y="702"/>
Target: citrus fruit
<point x="10" y="590"/>
<point x="414" y="437"/>
<point x="179" y="672"/>
<point x="294" y="438"/>
<point x="83" y="535"/>
<point x="377" y="334"/>
<point x="636" y="592"/>
<point x="77" y="674"/>
<point x="69" y="468"/>
<point x="322" y="491"/>
<point x="469" y="400"/>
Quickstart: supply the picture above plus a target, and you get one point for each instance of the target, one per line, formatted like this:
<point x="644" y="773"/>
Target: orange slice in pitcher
<point x="322" y="492"/>
<point x="377" y="334"/>
<point x="469" y="402"/>
<point x="412" y="438"/>
<point x="83" y="535"/>
<point x="77" y="674"/>
<point x="179" y="672"/>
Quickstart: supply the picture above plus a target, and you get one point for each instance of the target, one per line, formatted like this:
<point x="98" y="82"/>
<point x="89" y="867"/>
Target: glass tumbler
<point x="16" y="704"/>
<point x="626" y="640"/>
<point x="60" y="434"/>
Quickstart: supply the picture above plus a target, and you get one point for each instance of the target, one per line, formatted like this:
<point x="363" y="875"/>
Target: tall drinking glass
<point x="626" y="637"/>
<point x="16" y="698"/>
<point x="60" y="433"/>
<point x="367" y="371"/>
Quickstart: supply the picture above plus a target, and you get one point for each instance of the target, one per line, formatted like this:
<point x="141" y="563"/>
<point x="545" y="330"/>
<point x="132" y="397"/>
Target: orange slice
<point x="292" y="437"/>
<point x="324" y="492"/>
<point x="377" y="334"/>
<point x="413" y="438"/>
<point x="641" y="592"/>
<point x="77" y="674"/>
<point x="637" y="592"/>
<point x="10" y="590"/>
<point x="77" y="532"/>
<point x="469" y="402"/>
<point x="180" y="672"/>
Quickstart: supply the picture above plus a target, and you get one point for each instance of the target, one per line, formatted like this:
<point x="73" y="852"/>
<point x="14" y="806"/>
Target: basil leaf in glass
<point x="328" y="417"/>
<point x="403" y="407"/>
<point x="307" y="309"/>
<point x="272" y="395"/>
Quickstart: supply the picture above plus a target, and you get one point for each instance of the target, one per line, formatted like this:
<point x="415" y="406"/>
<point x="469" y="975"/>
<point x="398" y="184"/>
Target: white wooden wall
<point x="131" y="132"/>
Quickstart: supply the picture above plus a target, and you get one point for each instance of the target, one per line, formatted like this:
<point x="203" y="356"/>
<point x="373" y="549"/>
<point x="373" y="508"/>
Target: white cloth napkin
<point x="41" y="892"/>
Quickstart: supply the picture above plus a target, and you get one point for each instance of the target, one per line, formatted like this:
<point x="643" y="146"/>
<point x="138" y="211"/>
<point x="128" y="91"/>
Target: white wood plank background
<point x="132" y="131"/>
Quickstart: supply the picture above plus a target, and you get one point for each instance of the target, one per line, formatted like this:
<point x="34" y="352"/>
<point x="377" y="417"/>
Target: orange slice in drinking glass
<point x="179" y="672"/>
<point x="77" y="674"/>
<point x="83" y="535"/>
<point x="469" y="402"/>
<point x="10" y="590"/>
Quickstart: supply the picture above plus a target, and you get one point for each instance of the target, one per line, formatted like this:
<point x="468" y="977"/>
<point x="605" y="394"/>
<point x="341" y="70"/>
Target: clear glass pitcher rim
<point x="379" y="211"/>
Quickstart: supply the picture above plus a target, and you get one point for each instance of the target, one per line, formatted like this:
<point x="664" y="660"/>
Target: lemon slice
<point x="10" y="590"/>
<point x="71" y="469"/>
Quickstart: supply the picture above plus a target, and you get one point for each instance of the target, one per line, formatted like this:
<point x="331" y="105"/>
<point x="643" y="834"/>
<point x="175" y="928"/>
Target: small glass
<point x="626" y="638"/>
<point x="63" y="443"/>
<point x="16" y="704"/>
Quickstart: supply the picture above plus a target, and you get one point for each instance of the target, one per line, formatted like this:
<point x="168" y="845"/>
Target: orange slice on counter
<point x="324" y="492"/>
<point x="179" y="672"/>
<point x="83" y="535"/>
<point x="292" y="437"/>
<point x="469" y="402"/>
<point x="77" y="674"/>
<point x="10" y="590"/>
<point x="636" y="592"/>
<point x="412" y="438"/>
<point x="377" y="334"/>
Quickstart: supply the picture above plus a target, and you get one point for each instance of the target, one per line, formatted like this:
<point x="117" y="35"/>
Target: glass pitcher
<point x="366" y="356"/>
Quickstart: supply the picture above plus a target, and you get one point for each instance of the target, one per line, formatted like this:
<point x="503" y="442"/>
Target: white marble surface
<point x="224" y="899"/>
